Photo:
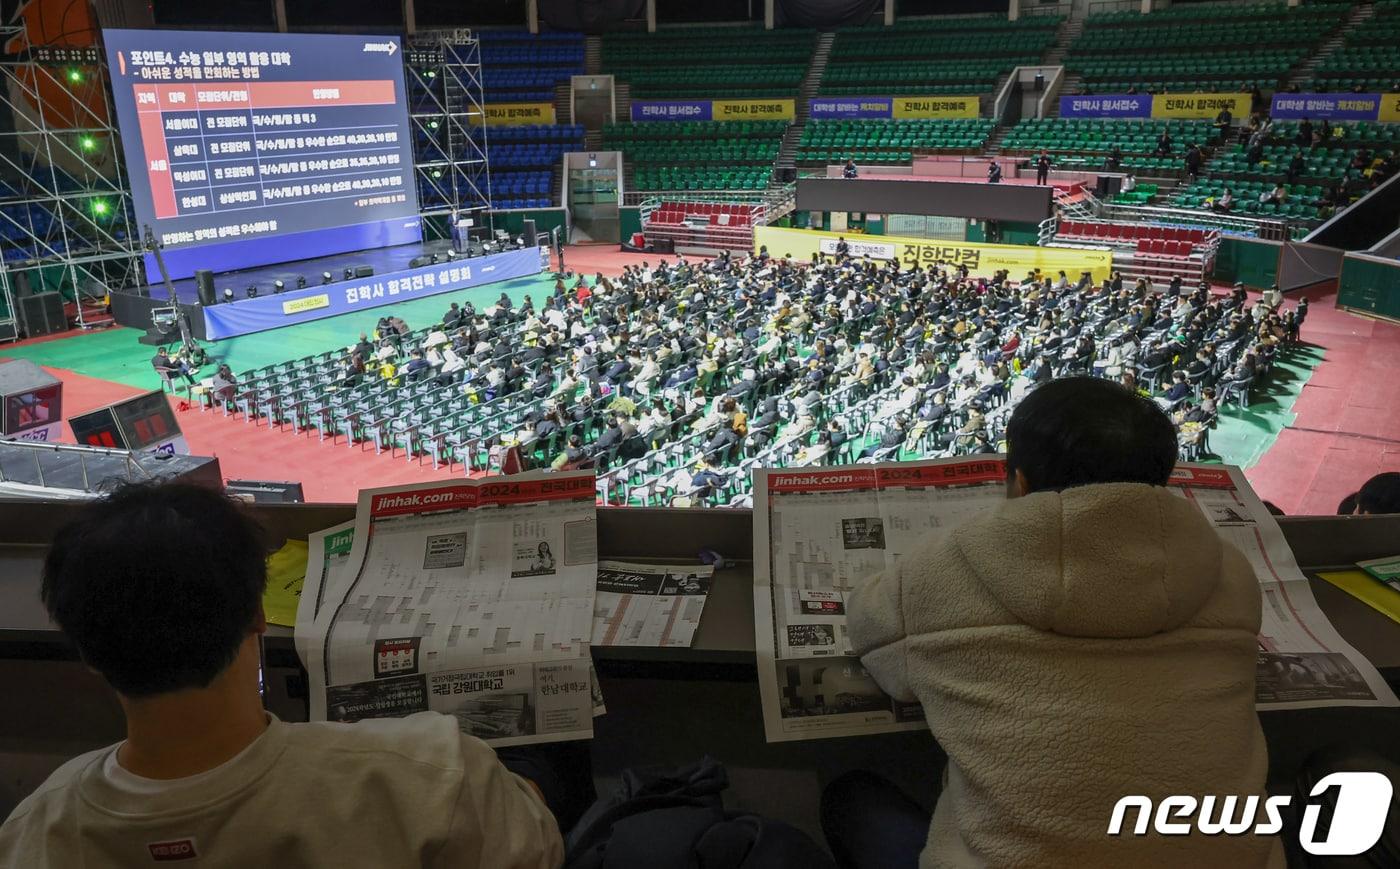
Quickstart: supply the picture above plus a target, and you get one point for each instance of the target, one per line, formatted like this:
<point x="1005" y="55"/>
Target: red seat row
<point x="1126" y="232"/>
<point x="1168" y="249"/>
<point x="670" y="213"/>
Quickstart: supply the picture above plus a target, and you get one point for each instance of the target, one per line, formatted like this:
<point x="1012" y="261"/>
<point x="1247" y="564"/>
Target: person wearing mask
<point x="203" y="765"/>
<point x="1094" y="620"/>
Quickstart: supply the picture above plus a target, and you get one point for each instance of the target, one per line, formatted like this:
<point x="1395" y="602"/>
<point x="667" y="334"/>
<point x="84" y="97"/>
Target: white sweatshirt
<point x="384" y="793"/>
<point x="1070" y="649"/>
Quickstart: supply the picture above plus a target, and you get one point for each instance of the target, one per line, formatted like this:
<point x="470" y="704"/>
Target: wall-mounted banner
<point x="1107" y="106"/>
<point x="937" y="107"/>
<point x="982" y="260"/>
<point x="671" y="110"/>
<point x="827" y="108"/>
<point x="754" y="110"/>
<point x="1337" y="107"/>
<point x="517" y="113"/>
<point x="880" y="108"/>
<point x="713" y="110"/>
<point x="1200" y="105"/>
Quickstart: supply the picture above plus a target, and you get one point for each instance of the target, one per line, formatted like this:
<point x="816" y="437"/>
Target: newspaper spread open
<point x="655" y="605"/>
<point x="472" y="598"/>
<point x="820" y="533"/>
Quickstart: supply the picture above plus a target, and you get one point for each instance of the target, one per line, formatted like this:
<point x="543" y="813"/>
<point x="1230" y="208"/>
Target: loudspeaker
<point x="419" y="261"/>
<point x="204" y="282"/>
<point x="529" y="233"/>
<point x="21" y="283"/>
<point x="364" y="271"/>
<point x="42" y="314"/>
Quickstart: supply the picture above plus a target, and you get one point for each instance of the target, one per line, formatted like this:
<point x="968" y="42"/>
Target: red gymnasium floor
<point x="1348" y="418"/>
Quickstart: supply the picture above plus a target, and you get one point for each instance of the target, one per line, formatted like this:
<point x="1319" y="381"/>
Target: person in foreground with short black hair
<point x="1377" y="496"/>
<point x="1092" y="637"/>
<point x="160" y="589"/>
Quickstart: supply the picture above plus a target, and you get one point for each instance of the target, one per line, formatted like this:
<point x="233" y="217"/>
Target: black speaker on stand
<point x="204" y="282"/>
<point x="529" y="233"/>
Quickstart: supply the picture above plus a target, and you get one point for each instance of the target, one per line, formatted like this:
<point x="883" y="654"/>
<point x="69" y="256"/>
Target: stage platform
<point x="394" y="279"/>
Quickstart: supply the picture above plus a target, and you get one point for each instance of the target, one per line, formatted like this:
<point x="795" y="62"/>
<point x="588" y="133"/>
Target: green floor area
<point x="115" y="354"/>
<point x="1243" y="436"/>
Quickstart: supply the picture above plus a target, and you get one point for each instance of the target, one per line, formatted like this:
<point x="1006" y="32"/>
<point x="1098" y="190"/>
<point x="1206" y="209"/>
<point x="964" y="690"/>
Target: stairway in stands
<point x="993" y="147"/>
<point x="811" y="82"/>
<point x="1359" y="14"/>
<point x="593" y="54"/>
<point x="1069" y="31"/>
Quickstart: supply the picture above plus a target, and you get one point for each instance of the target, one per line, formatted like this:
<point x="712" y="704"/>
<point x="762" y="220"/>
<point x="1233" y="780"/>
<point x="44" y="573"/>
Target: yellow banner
<point x="310" y="303"/>
<point x="518" y="113"/>
<point x="982" y="260"/>
<point x="1200" y="105"/>
<point x="1390" y="108"/>
<point x="935" y="107"/>
<point x="754" y="110"/>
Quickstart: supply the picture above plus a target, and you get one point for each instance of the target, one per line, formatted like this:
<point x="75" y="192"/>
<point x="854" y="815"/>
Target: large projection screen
<point x="1009" y="202"/>
<point x="252" y="148"/>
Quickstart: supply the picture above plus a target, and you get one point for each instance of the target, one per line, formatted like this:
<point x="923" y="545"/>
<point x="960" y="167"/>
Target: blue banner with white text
<point x="243" y="317"/>
<point x="1332" y="107"/>
<point x="822" y="108"/>
<point x="672" y="110"/>
<point x="1107" y="106"/>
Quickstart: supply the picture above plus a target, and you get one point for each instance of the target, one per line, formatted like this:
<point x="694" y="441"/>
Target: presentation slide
<point x="246" y="149"/>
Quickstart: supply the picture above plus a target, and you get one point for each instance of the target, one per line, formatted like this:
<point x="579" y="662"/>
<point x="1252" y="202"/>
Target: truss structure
<point x="447" y="113"/>
<point x="66" y="219"/>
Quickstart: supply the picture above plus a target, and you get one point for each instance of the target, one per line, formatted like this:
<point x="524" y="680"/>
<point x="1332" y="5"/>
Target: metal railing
<point x="34" y="452"/>
<point x="1257" y="227"/>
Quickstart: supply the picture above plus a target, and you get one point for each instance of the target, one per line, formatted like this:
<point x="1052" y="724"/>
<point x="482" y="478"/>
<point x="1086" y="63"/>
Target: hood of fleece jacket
<point x="1112" y="560"/>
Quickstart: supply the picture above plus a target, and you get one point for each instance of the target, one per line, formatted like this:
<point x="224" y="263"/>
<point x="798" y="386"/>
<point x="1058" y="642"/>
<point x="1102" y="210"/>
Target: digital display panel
<point x="245" y="149"/>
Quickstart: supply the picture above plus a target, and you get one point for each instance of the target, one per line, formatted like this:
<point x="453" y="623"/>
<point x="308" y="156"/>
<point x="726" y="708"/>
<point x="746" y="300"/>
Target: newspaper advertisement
<point x="656" y="605"/>
<point x="1303" y="661"/>
<point x="472" y="598"/>
<point x="819" y="533"/>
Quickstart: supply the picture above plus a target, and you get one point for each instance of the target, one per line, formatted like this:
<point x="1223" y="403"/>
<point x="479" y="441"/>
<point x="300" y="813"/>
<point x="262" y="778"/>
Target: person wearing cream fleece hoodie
<point x="1091" y="638"/>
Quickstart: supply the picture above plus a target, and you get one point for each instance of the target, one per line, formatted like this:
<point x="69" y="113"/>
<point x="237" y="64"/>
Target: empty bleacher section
<point x="892" y="141"/>
<point x="518" y="66"/>
<point x="1144" y="250"/>
<point x="31" y="229"/>
<point x="711" y="62"/>
<point x="1369" y="59"/>
<point x="698" y="155"/>
<point x="1198" y="46"/>
<point x="523" y="160"/>
<point x="934" y="56"/>
<point x="1086" y="143"/>
<point x="707" y="225"/>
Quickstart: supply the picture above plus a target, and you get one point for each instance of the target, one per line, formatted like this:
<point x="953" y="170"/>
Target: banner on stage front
<point x="1107" y="106"/>
<point x="498" y="114"/>
<point x="936" y="107"/>
<point x="982" y="260"/>
<point x="1332" y="107"/>
<point x="753" y="110"/>
<point x="1200" y="105"/>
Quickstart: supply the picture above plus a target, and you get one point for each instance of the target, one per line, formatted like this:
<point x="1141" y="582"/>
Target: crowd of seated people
<point x="723" y="363"/>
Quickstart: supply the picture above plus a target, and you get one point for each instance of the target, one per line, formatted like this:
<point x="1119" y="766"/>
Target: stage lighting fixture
<point x="301" y="281"/>
<point x="99" y="207"/>
<point x="252" y="291"/>
<point x="228" y="294"/>
<point x="87" y="143"/>
<point x="75" y="75"/>
<point x="349" y="273"/>
<point x="326" y="277"/>
<point x="278" y="286"/>
<point x="450" y="254"/>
